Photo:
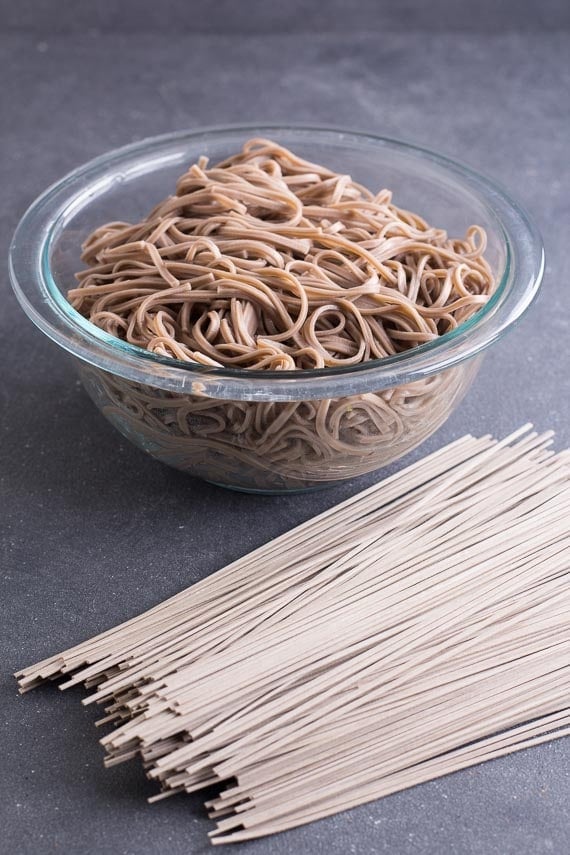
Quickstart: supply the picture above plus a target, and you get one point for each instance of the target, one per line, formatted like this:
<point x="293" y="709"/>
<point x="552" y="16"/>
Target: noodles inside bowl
<point x="278" y="446"/>
<point x="278" y="322"/>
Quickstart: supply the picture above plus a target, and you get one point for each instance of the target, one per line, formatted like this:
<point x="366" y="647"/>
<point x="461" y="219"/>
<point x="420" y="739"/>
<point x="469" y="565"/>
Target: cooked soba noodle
<point x="267" y="261"/>
<point x="277" y="445"/>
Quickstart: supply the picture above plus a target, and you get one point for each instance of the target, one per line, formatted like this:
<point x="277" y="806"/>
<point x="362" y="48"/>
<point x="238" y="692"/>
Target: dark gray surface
<point x="295" y="16"/>
<point x="93" y="531"/>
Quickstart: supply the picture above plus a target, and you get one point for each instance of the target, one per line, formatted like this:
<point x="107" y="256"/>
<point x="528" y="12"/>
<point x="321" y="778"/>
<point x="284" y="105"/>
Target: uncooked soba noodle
<point x="418" y="628"/>
<point x="267" y="261"/>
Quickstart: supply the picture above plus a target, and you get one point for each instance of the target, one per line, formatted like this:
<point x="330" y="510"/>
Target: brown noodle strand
<point x="260" y="244"/>
<point x="267" y="261"/>
<point x="277" y="445"/>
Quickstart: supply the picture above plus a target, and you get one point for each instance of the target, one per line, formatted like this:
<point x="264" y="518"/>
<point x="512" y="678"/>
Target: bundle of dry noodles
<point x="418" y="628"/>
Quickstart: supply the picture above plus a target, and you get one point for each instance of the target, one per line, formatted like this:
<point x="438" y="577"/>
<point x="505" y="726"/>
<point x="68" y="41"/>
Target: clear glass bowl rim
<point x="41" y="299"/>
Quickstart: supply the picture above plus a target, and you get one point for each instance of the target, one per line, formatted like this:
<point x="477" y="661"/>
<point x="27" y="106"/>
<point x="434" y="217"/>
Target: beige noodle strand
<point x="416" y="629"/>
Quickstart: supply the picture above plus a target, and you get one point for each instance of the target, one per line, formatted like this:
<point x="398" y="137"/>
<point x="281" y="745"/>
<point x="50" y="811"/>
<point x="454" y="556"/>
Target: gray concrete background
<point x="93" y="531"/>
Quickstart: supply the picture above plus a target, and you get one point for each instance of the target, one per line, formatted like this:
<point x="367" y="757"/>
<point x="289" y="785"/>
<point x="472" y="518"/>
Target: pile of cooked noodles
<point x="268" y="261"/>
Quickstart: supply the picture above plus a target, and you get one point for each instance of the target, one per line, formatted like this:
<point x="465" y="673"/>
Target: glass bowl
<point x="267" y="431"/>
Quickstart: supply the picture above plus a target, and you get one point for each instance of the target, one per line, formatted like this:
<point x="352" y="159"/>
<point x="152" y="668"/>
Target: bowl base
<point x="285" y="491"/>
